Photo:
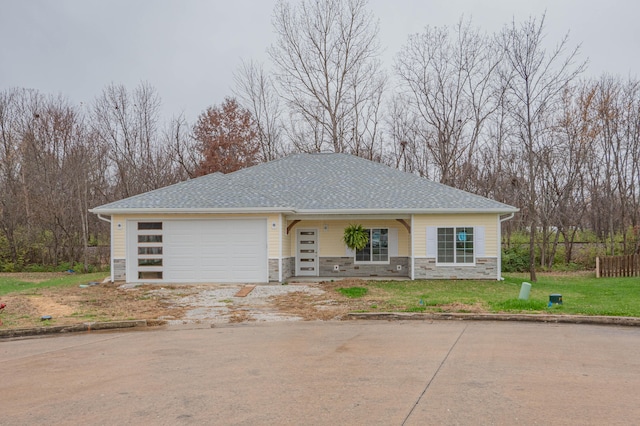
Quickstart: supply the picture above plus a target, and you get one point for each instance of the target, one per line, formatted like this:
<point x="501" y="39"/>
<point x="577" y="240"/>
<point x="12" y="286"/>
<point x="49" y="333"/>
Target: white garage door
<point x="214" y="251"/>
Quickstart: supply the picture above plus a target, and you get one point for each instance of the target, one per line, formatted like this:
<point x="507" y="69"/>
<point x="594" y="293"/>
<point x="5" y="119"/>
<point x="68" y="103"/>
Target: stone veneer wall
<point x="486" y="268"/>
<point x="119" y="269"/>
<point x="348" y="268"/>
<point x="273" y="270"/>
<point x="288" y="268"/>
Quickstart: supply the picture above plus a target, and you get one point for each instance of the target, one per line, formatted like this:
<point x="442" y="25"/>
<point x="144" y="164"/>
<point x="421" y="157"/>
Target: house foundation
<point x="485" y="268"/>
<point x="347" y="267"/>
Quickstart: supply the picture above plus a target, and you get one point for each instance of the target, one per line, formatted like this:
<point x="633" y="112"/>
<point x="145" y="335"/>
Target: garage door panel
<point x="216" y="251"/>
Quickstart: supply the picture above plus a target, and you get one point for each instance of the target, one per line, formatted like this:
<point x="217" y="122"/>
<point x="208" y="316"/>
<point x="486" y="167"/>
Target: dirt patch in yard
<point x="328" y="303"/>
<point x="202" y="303"/>
<point x="73" y="305"/>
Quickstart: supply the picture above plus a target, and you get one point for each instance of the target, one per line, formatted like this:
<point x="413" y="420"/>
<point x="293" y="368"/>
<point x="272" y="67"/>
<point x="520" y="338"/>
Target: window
<point x="149" y="238"/>
<point x="149" y="225"/>
<point x="377" y="249"/>
<point x="149" y="262"/>
<point x="150" y="275"/>
<point x="455" y="245"/>
<point x="149" y="250"/>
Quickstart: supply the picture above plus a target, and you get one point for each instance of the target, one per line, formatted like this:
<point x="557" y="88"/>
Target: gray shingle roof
<point x="309" y="183"/>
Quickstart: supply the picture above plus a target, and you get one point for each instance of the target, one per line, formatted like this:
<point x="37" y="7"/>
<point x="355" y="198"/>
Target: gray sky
<point x="189" y="49"/>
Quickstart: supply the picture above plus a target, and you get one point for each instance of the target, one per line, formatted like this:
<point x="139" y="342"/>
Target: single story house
<point x="286" y="218"/>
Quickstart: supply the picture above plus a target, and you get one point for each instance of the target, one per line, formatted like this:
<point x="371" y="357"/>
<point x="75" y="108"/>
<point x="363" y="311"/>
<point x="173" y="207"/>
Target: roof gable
<point x="310" y="183"/>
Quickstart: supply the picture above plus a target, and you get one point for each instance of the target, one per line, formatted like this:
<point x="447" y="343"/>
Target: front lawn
<point x="582" y="294"/>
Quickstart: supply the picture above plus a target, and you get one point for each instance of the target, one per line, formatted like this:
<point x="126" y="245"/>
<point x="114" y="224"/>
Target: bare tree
<point x="255" y="90"/>
<point x="12" y="213"/>
<point x="534" y="79"/>
<point x="329" y="72"/>
<point x="615" y="174"/>
<point x="183" y="150"/>
<point x="128" y="124"/>
<point x="451" y="86"/>
<point x="406" y="150"/>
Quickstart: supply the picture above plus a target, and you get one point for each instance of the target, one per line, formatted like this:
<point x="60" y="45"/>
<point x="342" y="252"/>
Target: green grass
<point x="582" y="294"/>
<point x="12" y="284"/>
<point x="353" y="292"/>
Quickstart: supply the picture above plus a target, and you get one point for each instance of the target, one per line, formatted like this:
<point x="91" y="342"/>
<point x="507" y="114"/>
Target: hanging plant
<point x="356" y="237"/>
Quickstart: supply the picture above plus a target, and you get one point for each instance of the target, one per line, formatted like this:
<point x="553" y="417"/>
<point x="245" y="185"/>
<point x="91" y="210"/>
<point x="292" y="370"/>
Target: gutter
<point x="302" y="212"/>
<point x="507" y="218"/>
<point x="133" y="211"/>
<point x="102" y="218"/>
<point x="501" y="220"/>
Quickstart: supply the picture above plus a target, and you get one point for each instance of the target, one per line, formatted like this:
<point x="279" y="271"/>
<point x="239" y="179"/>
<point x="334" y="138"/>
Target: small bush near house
<point x="515" y="259"/>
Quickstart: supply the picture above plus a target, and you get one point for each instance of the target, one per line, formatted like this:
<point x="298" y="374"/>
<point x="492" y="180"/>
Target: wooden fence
<point x="618" y="266"/>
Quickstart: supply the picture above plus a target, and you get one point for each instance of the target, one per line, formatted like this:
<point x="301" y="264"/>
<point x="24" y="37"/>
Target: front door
<point x="307" y="252"/>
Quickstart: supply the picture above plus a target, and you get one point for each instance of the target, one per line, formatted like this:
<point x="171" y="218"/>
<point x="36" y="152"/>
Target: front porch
<point x="313" y="247"/>
<point x="400" y="248"/>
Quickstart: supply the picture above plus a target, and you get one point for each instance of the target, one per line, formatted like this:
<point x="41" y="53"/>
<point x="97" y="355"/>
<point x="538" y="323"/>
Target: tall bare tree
<point x="535" y="79"/>
<point x="328" y="70"/>
<point x="255" y="90"/>
<point x="127" y="122"/>
<point x="449" y="75"/>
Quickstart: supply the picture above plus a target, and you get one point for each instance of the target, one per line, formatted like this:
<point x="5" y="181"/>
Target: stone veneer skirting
<point x="288" y="268"/>
<point x="348" y="268"/>
<point x="119" y="269"/>
<point x="486" y="268"/>
<point x="273" y="270"/>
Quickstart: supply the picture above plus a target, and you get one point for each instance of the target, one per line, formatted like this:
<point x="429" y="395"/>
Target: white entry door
<point x="307" y="252"/>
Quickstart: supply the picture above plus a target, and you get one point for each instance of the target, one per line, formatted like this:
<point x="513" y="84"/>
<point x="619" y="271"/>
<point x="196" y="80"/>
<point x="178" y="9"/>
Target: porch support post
<point x="412" y="258"/>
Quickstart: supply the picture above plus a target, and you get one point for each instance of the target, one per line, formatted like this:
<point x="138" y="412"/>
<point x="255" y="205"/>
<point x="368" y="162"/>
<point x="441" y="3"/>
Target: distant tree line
<point x="499" y="115"/>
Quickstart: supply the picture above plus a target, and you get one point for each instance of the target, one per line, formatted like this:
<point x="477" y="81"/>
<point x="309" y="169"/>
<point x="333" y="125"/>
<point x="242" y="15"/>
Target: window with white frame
<point x="377" y="249"/>
<point x="455" y="245"/>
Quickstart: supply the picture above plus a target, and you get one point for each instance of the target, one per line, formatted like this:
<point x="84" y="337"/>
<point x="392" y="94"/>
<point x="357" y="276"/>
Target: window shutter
<point x="478" y="243"/>
<point x="432" y="241"/>
<point x="393" y="242"/>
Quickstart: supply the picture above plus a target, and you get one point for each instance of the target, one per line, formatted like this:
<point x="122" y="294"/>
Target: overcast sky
<point x="189" y="49"/>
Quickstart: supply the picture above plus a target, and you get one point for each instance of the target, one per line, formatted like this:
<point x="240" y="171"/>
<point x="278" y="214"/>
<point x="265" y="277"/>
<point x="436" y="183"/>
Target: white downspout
<point x="280" y="251"/>
<point x="110" y="244"/>
<point x="500" y="220"/>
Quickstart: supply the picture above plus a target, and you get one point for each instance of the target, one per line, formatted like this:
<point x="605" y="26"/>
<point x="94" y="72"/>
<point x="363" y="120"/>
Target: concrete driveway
<point x="356" y="373"/>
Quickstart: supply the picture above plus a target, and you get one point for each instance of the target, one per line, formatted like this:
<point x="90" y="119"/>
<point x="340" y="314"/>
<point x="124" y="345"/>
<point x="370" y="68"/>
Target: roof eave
<point x="505" y="210"/>
<point x="254" y="210"/>
<point x="133" y="211"/>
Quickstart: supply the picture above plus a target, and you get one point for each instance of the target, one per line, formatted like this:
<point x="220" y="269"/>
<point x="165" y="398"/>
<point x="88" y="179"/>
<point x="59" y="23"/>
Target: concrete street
<point x="327" y="373"/>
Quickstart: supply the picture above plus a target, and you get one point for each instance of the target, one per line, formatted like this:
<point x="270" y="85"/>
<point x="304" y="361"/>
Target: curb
<point x="565" y="319"/>
<point x="84" y="327"/>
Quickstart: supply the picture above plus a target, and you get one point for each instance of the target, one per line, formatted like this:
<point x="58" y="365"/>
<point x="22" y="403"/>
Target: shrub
<point x="515" y="259"/>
